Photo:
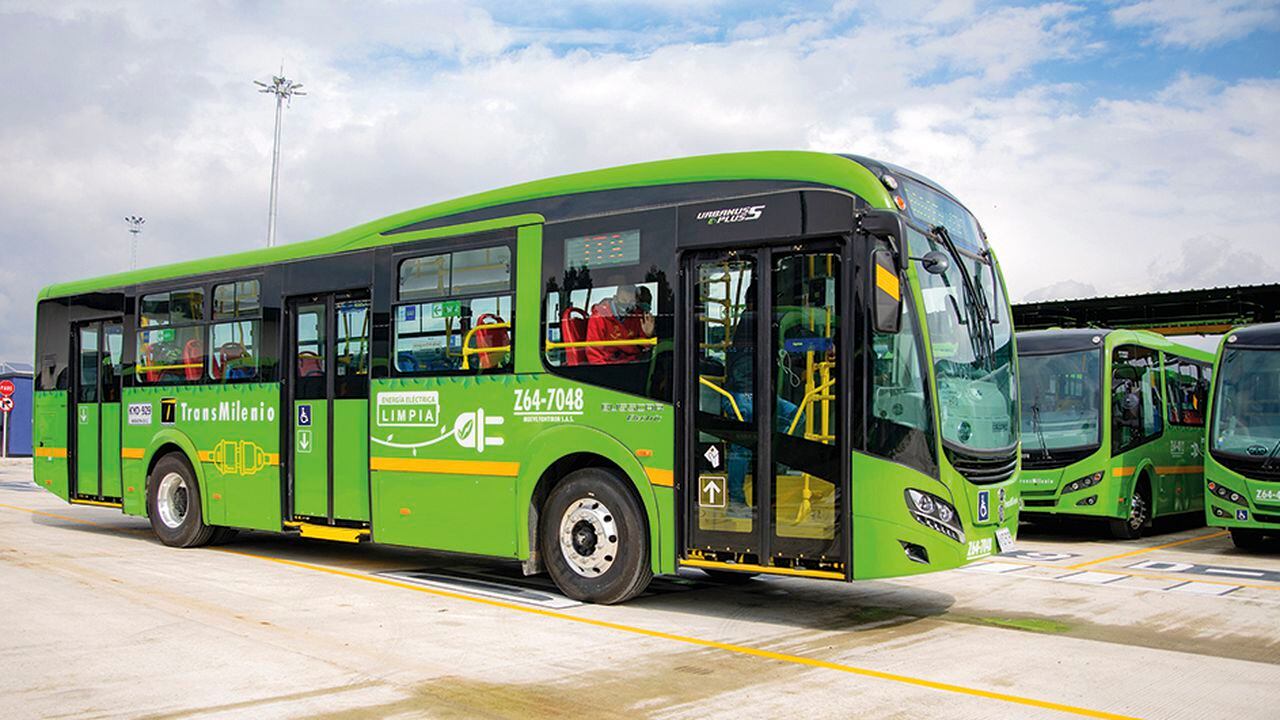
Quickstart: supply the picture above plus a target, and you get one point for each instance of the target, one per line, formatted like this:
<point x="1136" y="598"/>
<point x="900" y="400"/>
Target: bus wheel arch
<point x="174" y="502"/>
<point x="167" y="443"/>
<point x="1138" y="518"/>
<point x="594" y="536"/>
<point x="557" y="472"/>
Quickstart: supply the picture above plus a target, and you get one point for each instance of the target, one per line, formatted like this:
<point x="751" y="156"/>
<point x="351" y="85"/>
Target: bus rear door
<point x="95" y="415"/>
<point x="329" y="405"/>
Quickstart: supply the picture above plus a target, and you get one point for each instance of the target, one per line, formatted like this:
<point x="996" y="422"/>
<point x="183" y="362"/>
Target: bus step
<point x="327" y="532"/>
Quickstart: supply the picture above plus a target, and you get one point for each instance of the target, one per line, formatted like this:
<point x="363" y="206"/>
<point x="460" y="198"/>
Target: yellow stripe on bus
<point x="132" y="453"/>
<point x="888" y="282"/>
<point x="446" y="467"/>
<point x="1123" y="471"/>
<point x="665" y="478"/>
<point x="52" y="452"/>
<point x="1180" y="469"/>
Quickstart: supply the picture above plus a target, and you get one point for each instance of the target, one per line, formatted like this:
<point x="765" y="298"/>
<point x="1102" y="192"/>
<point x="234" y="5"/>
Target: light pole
<point x="284" y="89"/>
<point x="135" y="226"/>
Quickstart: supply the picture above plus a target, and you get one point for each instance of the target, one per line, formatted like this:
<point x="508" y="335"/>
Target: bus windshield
<point x="1246" y="417"/>
<point x="1061" y="400"/>
<point x="970" y="329"/>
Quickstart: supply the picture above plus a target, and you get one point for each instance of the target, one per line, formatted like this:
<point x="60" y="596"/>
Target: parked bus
<point x="567" y="373"/>
<point x="1242" y="471"/>
<point x="1112" y="426"/>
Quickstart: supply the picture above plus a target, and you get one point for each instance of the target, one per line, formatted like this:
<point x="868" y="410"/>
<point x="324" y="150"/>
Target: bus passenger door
<point x="329" y="404"/>
<point x="95" y="415"/>
<point x="766" y="468"/>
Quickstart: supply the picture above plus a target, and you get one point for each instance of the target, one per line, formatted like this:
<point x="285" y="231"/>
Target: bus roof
<point x="1266" y="335"/>
<point x="1058" y="340"/>
<point x="794" y="166"/>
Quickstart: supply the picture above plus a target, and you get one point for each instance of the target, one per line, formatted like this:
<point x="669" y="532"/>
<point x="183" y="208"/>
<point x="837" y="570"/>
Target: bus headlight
<point x="1082" y="483"/>
<point x="1229" y="495"/>
<point x="935" y="513"/>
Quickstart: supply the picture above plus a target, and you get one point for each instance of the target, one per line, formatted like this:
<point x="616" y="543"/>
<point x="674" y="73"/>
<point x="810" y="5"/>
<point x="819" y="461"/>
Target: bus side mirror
<point x="886" y="289"/>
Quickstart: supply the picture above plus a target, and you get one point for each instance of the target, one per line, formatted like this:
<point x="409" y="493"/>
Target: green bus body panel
<point x="882" y="522"/>
<point x="1260" y="495"/>
<point x="803" y="166"/>
<point x="110" y="480"/>
<point x="229" y="433"/>
<point x="351" y="459"/>
<point x="456" y="460"/>
<point x="49" y="418"/>
<point x="1174" y="462"/>
<point x="86" y="451"/>
<point x="311" y="464"/>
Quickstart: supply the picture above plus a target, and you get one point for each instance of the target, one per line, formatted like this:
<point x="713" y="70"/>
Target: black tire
<point x="1246" y="539"/>
<point x="176" y="517"/>
<point x="609" y="540"/>
<point x="223" y="535"/>
<point x="729" y="577"/>
<point x="1133" y="526"/>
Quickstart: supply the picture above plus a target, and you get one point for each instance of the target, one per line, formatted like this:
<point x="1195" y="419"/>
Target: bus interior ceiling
<point x="1207" y="311"/>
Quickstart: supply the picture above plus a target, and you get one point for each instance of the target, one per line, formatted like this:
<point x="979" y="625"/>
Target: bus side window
<point x="1186" y="387"/>
<point x="456" y="313"/>
<point x="171" y="337"/>
<point x="1137" y="414"/>
<point x="608" y="301"/>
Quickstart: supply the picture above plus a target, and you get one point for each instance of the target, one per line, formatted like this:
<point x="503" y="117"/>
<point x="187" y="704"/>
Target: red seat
<point x="193" y="359"/>
<point x="491" y="338"/>
<point x="573" y="326"/>
<point x="309" y="365"/>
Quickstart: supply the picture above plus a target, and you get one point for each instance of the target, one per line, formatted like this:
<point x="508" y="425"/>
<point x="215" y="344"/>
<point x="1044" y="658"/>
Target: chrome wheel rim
<point x="1137" y="512"/>
<point x="589" y="537"/>
<point x="173" y="499"/>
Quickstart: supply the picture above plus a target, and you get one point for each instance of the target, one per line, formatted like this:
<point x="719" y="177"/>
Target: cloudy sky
<point x="1107" y="147"/>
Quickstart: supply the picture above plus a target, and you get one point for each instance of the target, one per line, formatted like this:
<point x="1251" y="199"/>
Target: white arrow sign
<point x="304" y="441"/>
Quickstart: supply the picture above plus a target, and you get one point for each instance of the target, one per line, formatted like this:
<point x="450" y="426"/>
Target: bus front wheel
<point x="594" y="539"/>
<point x="1132" y="527"/>
<point x="1246" y="538"/>
<point x="173" y="504"/>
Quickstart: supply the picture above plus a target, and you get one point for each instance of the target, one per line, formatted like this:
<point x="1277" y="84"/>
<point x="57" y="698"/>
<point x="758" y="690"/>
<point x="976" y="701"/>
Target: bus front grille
<point x="984" y="469"/>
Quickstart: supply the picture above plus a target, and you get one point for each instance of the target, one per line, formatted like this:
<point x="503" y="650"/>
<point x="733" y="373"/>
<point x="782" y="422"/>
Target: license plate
<point x="1004" y="540"/>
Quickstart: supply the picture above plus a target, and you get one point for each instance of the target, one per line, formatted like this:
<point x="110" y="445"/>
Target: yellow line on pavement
<point x="1140" y="551"/>
<point x="683" y="639"/>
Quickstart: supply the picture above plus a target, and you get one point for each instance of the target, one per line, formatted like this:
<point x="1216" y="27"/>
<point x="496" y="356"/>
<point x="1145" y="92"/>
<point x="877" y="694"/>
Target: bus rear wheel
<point x="1132" y="527"/>
<point x="173" y="504"/>
<point x="594" y="539"/>
<point x="1246" y="539"/>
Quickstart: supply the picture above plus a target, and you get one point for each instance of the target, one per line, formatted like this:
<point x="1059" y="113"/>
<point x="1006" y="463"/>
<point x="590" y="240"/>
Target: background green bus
<point x="1242" y="471"/>
<point x="1112" y="425"/>
<point x="567" y="373"/>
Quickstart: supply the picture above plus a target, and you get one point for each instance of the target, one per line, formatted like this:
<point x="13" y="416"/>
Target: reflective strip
<point x="205" y="455"/>
<point x="748" y="567"/>
<point x="132" y="453"/>
<point x="52" y="452"/>
<point x="1180" y="469"/>
<point x="95" y="503"/>
<point x="446" y="467"/>
<point x="888" y="282"/>
<point x="1123" y="471"/>
<point x="665" y="478"/>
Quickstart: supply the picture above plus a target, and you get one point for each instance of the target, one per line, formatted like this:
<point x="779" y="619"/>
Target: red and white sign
<point x="6" y="388"/>
<point x="6" y="404"/>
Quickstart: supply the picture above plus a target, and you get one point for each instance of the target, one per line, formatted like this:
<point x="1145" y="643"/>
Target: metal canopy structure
<point x="1208" y="311"/>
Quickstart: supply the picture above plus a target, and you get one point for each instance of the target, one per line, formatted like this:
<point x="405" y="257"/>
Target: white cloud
<point x="1198" y="23"/>
<point x="108" y="110"/>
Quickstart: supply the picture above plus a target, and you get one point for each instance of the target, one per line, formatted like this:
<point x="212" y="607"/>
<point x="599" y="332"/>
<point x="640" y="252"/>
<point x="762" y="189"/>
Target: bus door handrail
<point x="468" y="351"/>
<point x="732" y="401"/>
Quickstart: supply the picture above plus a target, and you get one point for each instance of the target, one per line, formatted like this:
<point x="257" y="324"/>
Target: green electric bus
<point x="1242" y="471"/>
<point x="1112" y="425"/>
<point x="567" y="373"/>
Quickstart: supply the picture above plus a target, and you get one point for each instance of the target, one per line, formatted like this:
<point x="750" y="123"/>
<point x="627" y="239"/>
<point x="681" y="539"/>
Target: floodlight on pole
<point x="135" y="224"/>
<point x="284" y="89"/>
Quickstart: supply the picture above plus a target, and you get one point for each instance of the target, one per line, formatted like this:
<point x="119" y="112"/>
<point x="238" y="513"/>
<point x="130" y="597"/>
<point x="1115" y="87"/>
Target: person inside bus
<point x="621" y="317"/>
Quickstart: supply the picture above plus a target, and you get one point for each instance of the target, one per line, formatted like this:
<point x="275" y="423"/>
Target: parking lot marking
<point x="1150" y="576"/>
<point x="659" y="634"/>
<point x="1085" y="577"/>
<point x="1140" y="551"/>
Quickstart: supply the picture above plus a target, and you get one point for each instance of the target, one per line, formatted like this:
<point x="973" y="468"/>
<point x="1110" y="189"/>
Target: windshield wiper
<point x="1035" y="421"/>
<point x="1271" y="456"/>
<point x="975" y="302"/>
